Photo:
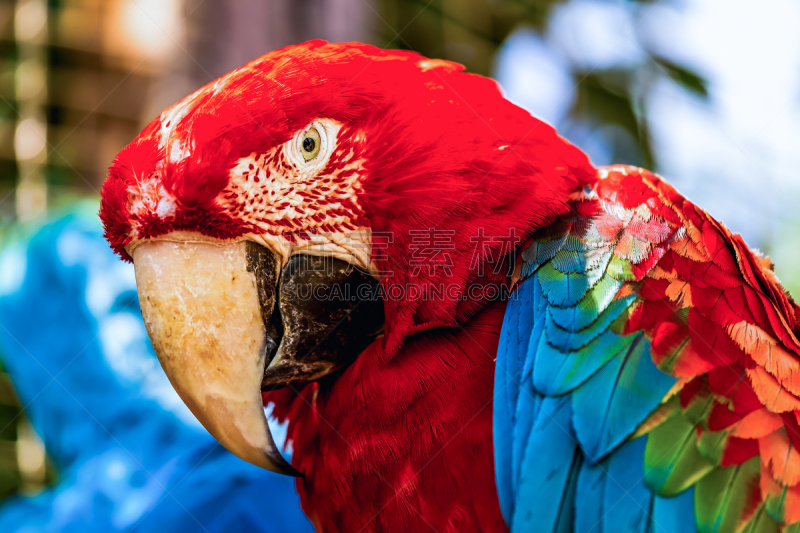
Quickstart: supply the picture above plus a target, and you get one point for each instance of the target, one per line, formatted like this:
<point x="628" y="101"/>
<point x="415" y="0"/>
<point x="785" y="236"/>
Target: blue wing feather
<point x="570" y="390"/>
<point x="590" y="492"/>
<point x="514" y="345"/>
<point x="674" y="515"/>
<point x="627" y="500"/>
<point x="562" y="289"/>
<point x="549" y="473"/>
<point x="583" y="314"/>
<point x="609" y="406"/>
<point x="566" y="340"/>
<point x="556" y="372"/>
<point x="611" y="497"/>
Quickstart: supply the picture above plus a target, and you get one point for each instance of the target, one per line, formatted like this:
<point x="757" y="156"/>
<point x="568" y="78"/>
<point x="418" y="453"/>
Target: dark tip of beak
<point x="282" y="466"/>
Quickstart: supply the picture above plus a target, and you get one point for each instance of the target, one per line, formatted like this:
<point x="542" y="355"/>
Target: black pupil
<point x="309" y="144"/>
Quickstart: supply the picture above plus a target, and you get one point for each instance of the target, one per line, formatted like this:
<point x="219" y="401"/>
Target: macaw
<point x="467" y="325"/>
<point x="130" y="457"/>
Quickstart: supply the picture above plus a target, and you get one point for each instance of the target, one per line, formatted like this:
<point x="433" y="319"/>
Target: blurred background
<point x="705" y="92"/>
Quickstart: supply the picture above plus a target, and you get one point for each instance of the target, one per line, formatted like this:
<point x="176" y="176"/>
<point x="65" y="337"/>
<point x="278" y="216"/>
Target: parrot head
<point x="263" y="212"/>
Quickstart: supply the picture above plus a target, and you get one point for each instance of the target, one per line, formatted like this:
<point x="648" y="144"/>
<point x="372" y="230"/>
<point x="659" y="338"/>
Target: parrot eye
<point x="311" y="144"/>
<point x="310" y="147"/>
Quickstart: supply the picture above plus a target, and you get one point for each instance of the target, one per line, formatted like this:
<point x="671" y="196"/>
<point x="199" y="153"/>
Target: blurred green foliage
<point x="470" y="32"/>
<point x="10" y="411"/>
<point x="16" y="432"/>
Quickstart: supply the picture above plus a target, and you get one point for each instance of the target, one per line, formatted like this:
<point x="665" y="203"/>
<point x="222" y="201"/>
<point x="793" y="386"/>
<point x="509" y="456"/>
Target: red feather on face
<point x="422" y="145"/>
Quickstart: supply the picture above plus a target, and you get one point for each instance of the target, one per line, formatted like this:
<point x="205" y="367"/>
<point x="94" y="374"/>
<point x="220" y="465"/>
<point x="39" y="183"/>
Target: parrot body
<point x="565" y="348"/>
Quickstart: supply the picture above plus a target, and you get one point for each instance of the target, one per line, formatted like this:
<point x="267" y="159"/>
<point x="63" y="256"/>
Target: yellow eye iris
<point x="310" y="145"/>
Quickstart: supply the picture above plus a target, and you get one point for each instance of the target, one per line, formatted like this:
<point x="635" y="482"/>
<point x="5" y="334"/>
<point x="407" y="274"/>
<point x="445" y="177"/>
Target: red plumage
<point x="418" y="454"/>
<point x="402" y="439"/>
<point x="455" y="156"/>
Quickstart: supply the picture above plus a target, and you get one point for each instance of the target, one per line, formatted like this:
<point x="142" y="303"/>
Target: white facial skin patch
<point x="303" y="206"/>
<point x="298" y="197"/>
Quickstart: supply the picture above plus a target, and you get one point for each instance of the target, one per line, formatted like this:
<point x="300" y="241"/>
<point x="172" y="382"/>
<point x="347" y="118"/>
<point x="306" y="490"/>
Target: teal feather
<point x="528" y="407"/>
<point x="573" y="244"/>
<point x="590" y="492"/>
<point x="611" y="494"/>
<point x="566" y="340"/>
<point x="674" y="515"/>
<point x="567" y="262"/>
<point x="528" y="401"/>
<point x="562" y="289"/>
<point x="614" y="401"/>
<point x="556" y="372"/>
<point x="627" y="499"/>
<point x="587" y="310"/>
<point x="514" y="339"/>
<point x="540" y="252"/>
<point x="551" y="464"/>
<point x="540" y="318"/>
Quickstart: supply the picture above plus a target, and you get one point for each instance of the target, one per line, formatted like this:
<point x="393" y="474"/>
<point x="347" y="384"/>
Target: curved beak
<point x="214" y="313"/>
<point x="202" y="311"/>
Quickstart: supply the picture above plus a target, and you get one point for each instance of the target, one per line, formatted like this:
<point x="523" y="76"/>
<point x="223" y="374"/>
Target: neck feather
<point x="402" y="440"/>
